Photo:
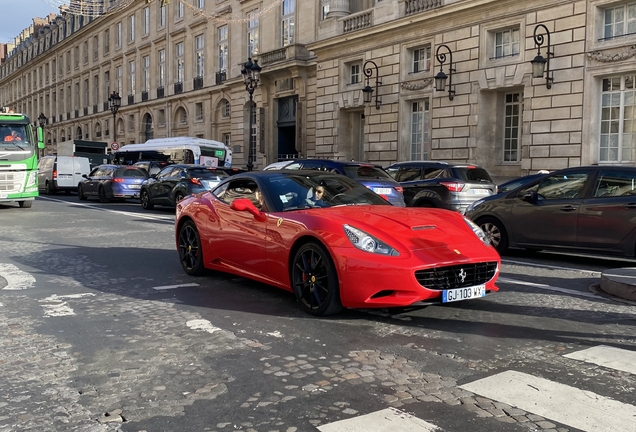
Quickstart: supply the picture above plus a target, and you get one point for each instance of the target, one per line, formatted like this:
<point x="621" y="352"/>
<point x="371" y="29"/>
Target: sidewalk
<point x="620" y="282"/>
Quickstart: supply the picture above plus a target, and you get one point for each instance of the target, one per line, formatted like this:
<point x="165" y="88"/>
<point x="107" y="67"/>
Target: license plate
<point x="382" y="191"/>
<point x="65" y="175"/>
<point x="463" y="293"/>
<point x="481" y="192"/>
<point x="134" y="186"/>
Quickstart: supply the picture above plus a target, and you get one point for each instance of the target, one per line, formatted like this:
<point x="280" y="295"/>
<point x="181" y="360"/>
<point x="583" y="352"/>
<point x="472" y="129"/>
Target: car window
<point x="96" y="172"/>
<point x="615" y="183"/>
<point x="392" y="171"/>
<point x="46" y="163"/>
<point x="409" y="174"/>
<point x="241" y="188"/>
<point x="561" y="186"/>
<point x="312" y="165"/>
<point x="431" y="173"/>
<point x="366" y="172"/>
<point x="471" y="174"/>
<point x="165" y="173"/>
<point x="129" y="172"/>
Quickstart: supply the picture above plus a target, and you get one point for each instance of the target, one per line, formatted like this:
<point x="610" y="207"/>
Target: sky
<point x="18" y="15"/>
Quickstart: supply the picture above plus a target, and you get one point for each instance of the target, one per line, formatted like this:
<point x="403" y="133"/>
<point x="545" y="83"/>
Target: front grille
<point x="457" y="276"/>
<point x="11" y="182"/>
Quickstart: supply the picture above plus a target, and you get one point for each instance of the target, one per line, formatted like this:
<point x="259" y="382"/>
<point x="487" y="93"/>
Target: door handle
<point x="630" y="206"/>
<point x="568" y="208"/>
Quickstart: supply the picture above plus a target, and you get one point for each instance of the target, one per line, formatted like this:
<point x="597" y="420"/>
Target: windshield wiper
<point x="17" y="145"/>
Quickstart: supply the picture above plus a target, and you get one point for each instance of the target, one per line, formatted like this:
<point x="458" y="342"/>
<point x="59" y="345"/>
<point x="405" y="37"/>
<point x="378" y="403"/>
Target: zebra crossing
<point x="555" y="401"/>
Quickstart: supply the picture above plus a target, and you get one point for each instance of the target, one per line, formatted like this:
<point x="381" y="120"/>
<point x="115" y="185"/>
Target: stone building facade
<point x="178" y="68"/>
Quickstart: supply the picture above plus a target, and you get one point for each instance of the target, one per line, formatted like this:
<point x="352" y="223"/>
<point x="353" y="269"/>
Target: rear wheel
<point x="102" y="195"/>
<point x="25" y="204"/>
<point x="146" y="204"/>
<point x="80" y="193"/>
<point x="190" y="251"/>
<point x="315" y="280"/>
<point x="495" y="232"/>
<point x="178" y="197"/>
<point x="47" y="188"/>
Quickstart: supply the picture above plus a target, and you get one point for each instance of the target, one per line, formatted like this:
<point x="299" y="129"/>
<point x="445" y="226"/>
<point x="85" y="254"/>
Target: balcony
<point x="220" y="77"/>
<point x="417" y="6"/>
<point x="160" y="92"/>
<point x="197" y="83"/>
<point x="144" y="96"/>
<point x="131" y="99"/>
<point x="290" y="52"/>
<point x="178" y="87"/>
<point x="358" y="21"/>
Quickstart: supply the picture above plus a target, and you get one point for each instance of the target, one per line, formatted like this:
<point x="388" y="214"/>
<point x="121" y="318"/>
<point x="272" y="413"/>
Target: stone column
<point x="338" y="8"/>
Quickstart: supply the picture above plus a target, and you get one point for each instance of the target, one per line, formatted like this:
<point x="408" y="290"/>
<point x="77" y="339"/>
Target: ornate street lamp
<point x="540" y="64"/>
<point x="42" y="120"/>
<point x="367" y="91"/>
<point x="251" y="77"/>
<point x="440" y="78"/>
<point x="114" y="102"/>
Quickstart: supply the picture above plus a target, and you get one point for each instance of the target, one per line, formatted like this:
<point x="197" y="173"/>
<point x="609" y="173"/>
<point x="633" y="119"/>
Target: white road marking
<point x="609" y="357"/>
<point x="16" y="278"/>
<point x="139" y="215"/>
<point x="551" y="267"/>
<point x="549" y="288"/>
<point x="275" y="334"/>
<point x="386" y="420"/>
<point x="561" y="403"/>
<point x="59" y="307"/>
<point x="201" y="324"/>
<point x="168" y="287"/>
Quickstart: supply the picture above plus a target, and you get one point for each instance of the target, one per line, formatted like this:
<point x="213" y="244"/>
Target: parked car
<point x="109" y="182"/>
<point x="177" y="181"/>
<point x="441" y="184"/>
<point x="152" y="167"/>
<point x="61" y="173"/>
<point x="370" y="175"/>
<point x="518" y="182"/>
<point x="354" y="251"/>
<point x="589" y="209"/>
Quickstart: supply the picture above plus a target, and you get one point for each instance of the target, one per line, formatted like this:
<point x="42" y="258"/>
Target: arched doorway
<point x="148" y="132"/>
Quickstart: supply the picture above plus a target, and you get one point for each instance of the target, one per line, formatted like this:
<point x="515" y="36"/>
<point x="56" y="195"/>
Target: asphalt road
<point x="101" y="330"/>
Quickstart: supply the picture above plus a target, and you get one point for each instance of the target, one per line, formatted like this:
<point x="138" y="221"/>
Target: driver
<point x="316" y="199"/>
<point x="13" y="136"/>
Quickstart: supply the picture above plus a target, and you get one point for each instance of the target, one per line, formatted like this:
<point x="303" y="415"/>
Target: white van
<point x="61" y="173"/>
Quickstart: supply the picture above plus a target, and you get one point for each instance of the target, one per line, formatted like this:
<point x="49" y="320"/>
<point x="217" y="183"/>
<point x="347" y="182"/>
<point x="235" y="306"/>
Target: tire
<point x="47" y="188"/>
<point x="102" y="195"/>
<point x="190" y="251"/>
<point x="146" y="204"/>
<point x="25" y="204"/>
<point x="495" y="232"/>
<point x="315" y="280"/>
<point x="178" y="197"/>
<point x="80" y="193"/>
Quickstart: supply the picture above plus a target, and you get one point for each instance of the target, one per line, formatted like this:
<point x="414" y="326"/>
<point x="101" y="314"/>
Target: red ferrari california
<point x="333" y="242"/>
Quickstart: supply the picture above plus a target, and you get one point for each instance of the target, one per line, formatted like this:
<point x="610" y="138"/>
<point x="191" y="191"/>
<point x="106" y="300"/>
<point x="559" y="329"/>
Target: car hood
<point x="415" y="228"/>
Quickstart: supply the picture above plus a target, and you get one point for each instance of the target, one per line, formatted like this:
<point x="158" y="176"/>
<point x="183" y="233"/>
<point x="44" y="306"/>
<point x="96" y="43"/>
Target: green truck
<point x="19" y="159"/>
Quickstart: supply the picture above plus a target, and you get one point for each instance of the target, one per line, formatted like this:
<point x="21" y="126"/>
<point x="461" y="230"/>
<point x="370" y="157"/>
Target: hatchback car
<point x="421" y="181"/>
<point x="109" y="182"/>
<point x="177" y="181"/>
<point x="589" y="209"/>
<point x="370" y="175"/>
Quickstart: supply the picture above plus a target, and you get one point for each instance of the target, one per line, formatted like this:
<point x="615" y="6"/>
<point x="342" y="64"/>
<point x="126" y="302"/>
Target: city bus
<point x="176" y="150"/>
<point x="18" y="158"/>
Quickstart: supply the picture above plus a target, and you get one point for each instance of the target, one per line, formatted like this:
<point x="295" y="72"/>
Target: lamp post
<point x="540" y="64"/>
<point x="440" y="78"/>
<point x="251" y="76"/>
<point x="114" y="102"/>
<point x="367" y="91"/>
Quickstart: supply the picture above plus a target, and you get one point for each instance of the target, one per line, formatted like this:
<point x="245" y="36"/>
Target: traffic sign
<point x="114" y="146"/>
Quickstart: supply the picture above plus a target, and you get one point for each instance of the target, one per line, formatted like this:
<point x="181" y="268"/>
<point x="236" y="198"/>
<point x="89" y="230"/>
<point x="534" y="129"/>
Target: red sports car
<point x="333" y="242"/>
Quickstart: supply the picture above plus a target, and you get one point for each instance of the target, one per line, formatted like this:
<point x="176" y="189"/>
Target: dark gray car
<point x="589" y="209"/>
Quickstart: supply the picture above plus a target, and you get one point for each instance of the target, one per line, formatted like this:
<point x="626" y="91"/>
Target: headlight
<point x="478" y="231"/>
<point x="368" y="243"/>
<point x="474" y="205"/>
<point x="33" y="176"/>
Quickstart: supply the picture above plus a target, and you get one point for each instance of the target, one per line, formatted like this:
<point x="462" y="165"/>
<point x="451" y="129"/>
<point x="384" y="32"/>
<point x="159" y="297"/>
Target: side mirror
<point x="244" y="204"/>
<point x="85" y="176"/>
<point x="40" y="133"/>
<point x="530" y="196"/>
<point x="153" y="176"/>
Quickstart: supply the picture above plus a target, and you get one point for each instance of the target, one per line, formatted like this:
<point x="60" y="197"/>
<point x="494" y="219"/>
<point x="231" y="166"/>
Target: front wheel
<point x="146" y="204"/>
<point x="25" y="204"/>
<point x="190" y="251"/>
<point x="495" y="232"/>
<point x="80" y="193"/>
<point x="315" y="280"/>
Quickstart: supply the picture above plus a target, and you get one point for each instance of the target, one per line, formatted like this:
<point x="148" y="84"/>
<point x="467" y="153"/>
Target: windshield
<point x="293" y="192"/>
<point x="14" y="135"/>
<point x="205" y="173"/>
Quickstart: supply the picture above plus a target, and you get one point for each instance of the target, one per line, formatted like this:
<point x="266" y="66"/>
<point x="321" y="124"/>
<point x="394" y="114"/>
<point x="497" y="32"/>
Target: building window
<point x="419" y="130"/>
<point x="324" y="9"/>
<point x="618" y="119"/>
<point x="162" y="68"/>
<point x="161" y="118"/>
<point x="76" y="54"/>
<point x="226" y="108"/>
<point x="198" y="111"/>
<point x="95" y="89"/>
<point x="131" y="28"/>
<point x="200" y="4"/>
<point x="506" y="43"/>
<point x="131" y="77"/>
<point x="180" y="10"/>
<point x="118" y="35"/>
<point x="620" y="21"/>
<point x="86" y="93"/>
<point x="146" y="77"/>
<point x="287" y="24"/>
<point x="223" y="48"/>
<point x="118" y="77"/>
<point x="162" y="15"/>
<point x="95" y="48"/>
<point x="422" y="59"/>
<point x="226" y="139"/>
<point x="85" y="52"/>
<point x="178" y="51"/>
<point x="513" y="108"/>
<point x="354" y="73"/>
<point x="106" y="85"/>
<point x="252" y="33"/>
<point x="106" y="41"/>
<point x="146" y="21"/>
<point x="199" y="56"/>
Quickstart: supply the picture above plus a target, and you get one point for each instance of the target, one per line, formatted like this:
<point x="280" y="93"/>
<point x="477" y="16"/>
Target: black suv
<point x="441" y="184"/>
